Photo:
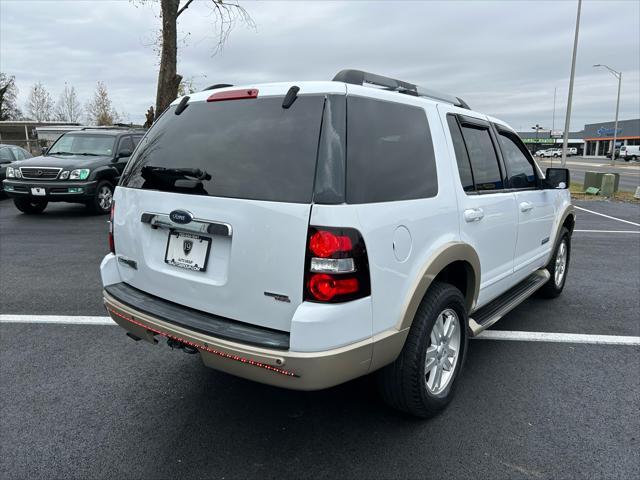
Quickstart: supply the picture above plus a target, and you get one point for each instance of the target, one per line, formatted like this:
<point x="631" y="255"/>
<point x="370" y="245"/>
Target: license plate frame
<point x="38" y="191"/>
<point x="199" y="242"/>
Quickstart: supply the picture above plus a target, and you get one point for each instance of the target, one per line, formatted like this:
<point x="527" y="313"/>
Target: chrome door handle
<point x="473" y="215"/>
<point x="526" y="206"/>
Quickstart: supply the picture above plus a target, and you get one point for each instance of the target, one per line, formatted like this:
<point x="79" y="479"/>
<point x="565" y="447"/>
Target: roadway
<point x="629" y="171"/>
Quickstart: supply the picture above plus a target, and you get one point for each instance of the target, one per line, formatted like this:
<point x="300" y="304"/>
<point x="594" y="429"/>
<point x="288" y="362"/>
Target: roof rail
<point x="358" y="77"/>
<point x="217" y="85"/>
<point x="115" y="126"/>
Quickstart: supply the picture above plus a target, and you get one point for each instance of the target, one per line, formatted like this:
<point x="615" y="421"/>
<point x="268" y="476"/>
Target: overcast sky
<point x="503" y="57"/>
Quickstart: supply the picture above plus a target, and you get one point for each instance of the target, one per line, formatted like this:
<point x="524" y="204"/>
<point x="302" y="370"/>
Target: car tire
<point x="30" y="207"/>
<point x="408" y="384"/>
<point x="558" y="267"/>
<point x="101" y="202"/>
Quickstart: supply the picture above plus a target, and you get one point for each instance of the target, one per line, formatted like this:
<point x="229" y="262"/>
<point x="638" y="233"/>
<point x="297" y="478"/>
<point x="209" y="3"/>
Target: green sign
<point x="538" y="140"/>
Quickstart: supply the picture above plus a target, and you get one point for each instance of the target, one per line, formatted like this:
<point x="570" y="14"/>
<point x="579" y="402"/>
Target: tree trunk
<point x="168" y="78"/>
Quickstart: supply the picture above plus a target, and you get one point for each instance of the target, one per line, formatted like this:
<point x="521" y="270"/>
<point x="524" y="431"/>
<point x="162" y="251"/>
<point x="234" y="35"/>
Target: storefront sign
<point x="607" y="132"/>
<point x="538" y="140"/>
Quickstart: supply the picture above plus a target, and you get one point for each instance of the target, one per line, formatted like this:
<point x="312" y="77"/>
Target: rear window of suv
<point x="250" y="149"/>
<point x="389" y="152"/>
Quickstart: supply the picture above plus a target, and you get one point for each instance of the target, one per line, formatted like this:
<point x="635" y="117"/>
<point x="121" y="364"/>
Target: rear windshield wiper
<point x="177" y="172"/>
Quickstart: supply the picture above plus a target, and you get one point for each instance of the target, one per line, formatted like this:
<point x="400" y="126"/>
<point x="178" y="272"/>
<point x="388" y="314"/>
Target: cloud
<point x="504" y="58"/>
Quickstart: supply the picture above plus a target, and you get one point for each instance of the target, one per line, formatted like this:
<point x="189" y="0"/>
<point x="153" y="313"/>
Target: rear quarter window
<point x="389" y="152"/>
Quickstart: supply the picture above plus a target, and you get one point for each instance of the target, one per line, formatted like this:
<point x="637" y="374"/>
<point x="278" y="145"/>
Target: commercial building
<point x="25" y="133"/>
<point x="594" y="141"/>
<point x="598" y="136"/>
<point x="543" y="139"/>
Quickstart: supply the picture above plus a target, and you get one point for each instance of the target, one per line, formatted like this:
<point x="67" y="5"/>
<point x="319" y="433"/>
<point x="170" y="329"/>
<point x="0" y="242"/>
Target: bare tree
<point x="9" y="98"/>
<point x="186" y="87"/>
<point x="39" y="104"/>
<point x="100" y="111"/>
<point x="68" y="108"/>
<point x="227" y="14"/>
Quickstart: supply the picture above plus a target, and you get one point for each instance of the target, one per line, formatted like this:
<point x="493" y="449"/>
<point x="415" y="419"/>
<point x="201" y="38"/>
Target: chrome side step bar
<point x="498" y="308"/>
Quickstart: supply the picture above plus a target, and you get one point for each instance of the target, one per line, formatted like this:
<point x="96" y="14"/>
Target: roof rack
<point x="115" y="126"/>
<point x="358" y="77"/>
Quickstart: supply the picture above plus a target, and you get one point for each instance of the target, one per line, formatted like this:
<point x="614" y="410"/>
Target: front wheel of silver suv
<point x="421" y="381"/>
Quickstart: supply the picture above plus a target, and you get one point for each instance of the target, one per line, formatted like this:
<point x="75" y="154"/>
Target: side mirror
<point x="44" y="150"/>
<point x="124" y="153"/>
<point x="556" y="178"/>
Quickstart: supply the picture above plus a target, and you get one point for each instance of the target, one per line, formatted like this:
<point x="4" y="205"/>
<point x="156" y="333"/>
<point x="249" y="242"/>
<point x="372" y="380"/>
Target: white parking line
<point x="486" y="335"/>
<point x="558" y="337"/>
<point x="608" y="216"/>
<point x="607" y="231"/>
<point x="57" y="319"/>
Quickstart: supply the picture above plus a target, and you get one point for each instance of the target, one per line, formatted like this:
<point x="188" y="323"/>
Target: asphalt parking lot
<point x="83" y="401"/>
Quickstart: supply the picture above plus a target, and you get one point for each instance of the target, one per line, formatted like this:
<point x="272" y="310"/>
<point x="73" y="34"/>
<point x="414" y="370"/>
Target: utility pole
<point x="567" y="120"/>
<point x="618" y="75"/>
<point x="553" y="120"/>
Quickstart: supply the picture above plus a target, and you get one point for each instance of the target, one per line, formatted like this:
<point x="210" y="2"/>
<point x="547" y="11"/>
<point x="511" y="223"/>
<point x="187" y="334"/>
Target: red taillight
<point x="337" y="267"/>
<point x="233" y="95"/>
<point x="324" y="287"/>
<point x="112" y="243"/>
<point x="324" y="244"/>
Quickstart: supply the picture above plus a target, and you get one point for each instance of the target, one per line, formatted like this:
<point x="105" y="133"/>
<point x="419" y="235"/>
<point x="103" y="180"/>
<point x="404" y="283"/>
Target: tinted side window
<point x="519" y="169"/>
<point x="136" y="140"/>
<point x="464" y="167"/>
<point x="389" y="152"/>
<point x="484" y="160"/>
<point x="5" y="155"/>
<point x="126" y="144"/>
<point x="17" y="153"/>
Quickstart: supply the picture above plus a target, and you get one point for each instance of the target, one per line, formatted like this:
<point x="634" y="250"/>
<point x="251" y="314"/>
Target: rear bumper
<point x="55" y="191"/>
<point x="281" y="368"/>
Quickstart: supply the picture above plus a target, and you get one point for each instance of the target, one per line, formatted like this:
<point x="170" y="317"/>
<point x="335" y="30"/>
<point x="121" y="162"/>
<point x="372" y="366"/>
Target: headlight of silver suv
<point x="79" y="174"/>
<point x="64" y="175"/>
<point x="13" y="172"/>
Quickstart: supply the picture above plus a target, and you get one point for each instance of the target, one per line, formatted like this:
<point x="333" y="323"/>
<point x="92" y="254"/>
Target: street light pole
<point x="615" y="126"/>
<point x="618" y="75"/>
<point x="567" y="120"/>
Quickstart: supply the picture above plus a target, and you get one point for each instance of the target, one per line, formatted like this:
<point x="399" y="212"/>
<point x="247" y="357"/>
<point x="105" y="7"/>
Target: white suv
<point x="551" y="152"/>
<point x="305" y="234"/>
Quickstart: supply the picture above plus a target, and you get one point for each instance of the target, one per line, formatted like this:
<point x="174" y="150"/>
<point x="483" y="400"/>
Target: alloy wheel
<point x="105" y="197"/>
<point x="561" y="263"/>
<point x="442" y="354"/>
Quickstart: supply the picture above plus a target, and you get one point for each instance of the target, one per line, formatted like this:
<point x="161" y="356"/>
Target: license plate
<point x="186" y="250"/>
<point x="38" y="191"/>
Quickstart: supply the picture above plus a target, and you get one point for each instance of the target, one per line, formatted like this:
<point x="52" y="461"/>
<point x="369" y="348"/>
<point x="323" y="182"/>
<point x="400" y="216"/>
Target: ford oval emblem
<point x="181" y="216"/>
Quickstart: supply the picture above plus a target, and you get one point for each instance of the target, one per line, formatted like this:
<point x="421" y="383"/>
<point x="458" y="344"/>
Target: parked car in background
<point x="8" y="155"/>
<point x="285" y="233"/>
<point x="551" y="152"/>
<point x="82" y="166"/>
<point x="570" y="151"/>
<point x="630" y="152"/>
